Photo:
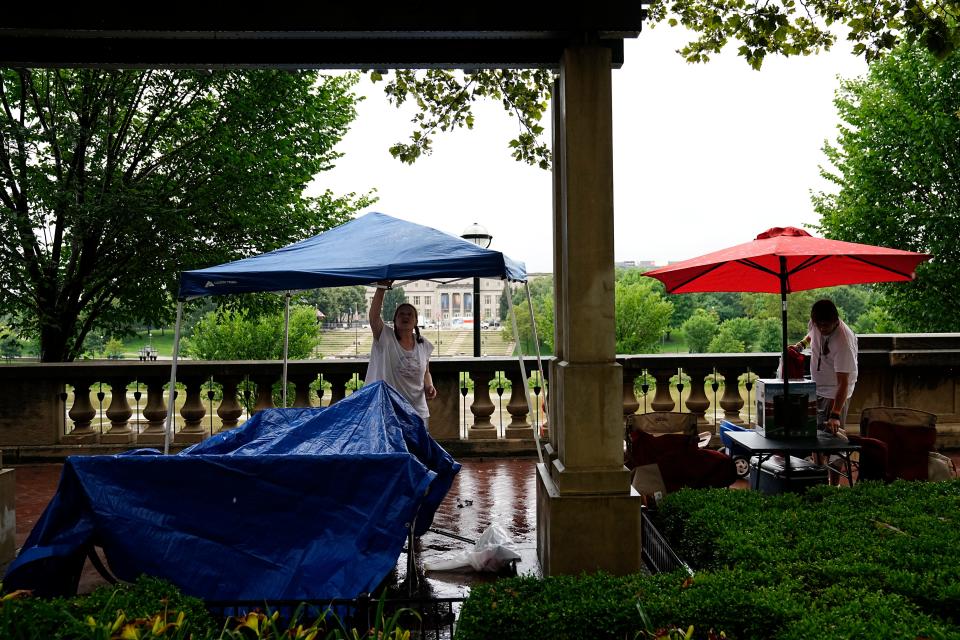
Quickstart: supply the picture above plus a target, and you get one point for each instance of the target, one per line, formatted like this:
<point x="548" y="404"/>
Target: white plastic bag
<point x="492" y="552"/>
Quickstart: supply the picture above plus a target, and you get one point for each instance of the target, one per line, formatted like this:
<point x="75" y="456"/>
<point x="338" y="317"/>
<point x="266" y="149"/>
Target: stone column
<point x="731" y="401"/>
<point x="192" y="411"/>
<point x="482" y="408"/>
<point x="230" y="408"/>
<point x="697" y="401"/>
<point x="587" y="513"/>
<point x="445" y="408"/>
<point x="118" y="413"/>
<point x="518" y="409"/>
<point x="82" y="414"/>
<point x="662" y="400"/>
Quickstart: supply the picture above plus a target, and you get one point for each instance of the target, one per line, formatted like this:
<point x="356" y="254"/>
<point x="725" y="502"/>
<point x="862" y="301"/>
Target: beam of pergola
<point x="345" y="36"/>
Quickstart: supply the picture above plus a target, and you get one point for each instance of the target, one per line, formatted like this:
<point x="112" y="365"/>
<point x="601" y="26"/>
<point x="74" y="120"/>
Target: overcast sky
<point x="705" y="156"/>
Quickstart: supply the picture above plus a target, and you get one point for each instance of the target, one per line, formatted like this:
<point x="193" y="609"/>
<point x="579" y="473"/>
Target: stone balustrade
<point x="917" y="371"/>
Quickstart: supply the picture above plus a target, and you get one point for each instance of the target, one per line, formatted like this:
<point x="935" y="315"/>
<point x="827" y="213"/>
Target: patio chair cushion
<point x="907" y="450"/>
<point x="682" y="463"/>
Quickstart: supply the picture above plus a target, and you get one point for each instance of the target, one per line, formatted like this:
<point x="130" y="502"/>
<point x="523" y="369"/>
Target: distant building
<point x="443" y="302"/>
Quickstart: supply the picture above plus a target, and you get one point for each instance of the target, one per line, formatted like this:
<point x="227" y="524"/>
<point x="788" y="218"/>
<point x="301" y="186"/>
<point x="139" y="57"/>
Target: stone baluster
<point x="302" y="385"/>
<point x="697" y="402"/>
<point x="731" y="401"/>
<point x="192" y="411"/>
<point x="338" y="385"/>
<point x="230" y="408"/>
<point x="662" y="400"/>
<point x="482" y="408"/>
<point x="155" y="413"/>
<point x="264" y="392"/>
<point x="119" y="413"/>
<point x="82" y="414"/>
<point x="518" y="409"/>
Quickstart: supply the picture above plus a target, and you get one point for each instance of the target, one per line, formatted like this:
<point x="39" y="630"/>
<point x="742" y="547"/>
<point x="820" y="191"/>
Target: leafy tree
<point x="642" y="315"/>
<point x="336" y="303"/>
<point x="541" y="296"/>
<point x="114" y="181"/>
<point x="876" y="320"/>
<point x="10" y="344"/>
<point x="391" y="300"/>
<point x="231" y="334"/>
<point x="744" y="330"/>
<point x="726" y="341"/>
<point x="897" y="171"/>
<point x="700" y="329"/>
<point x="757" y="27"/>
<point x="771" y="331"/>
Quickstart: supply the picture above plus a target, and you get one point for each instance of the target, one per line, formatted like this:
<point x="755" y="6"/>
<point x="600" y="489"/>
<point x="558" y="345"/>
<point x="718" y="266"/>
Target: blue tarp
<point x="295" y="504"/>
<point x="371" y="248"/>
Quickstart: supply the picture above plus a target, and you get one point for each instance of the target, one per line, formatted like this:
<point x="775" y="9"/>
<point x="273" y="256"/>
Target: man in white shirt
<point x="833" y="363"/>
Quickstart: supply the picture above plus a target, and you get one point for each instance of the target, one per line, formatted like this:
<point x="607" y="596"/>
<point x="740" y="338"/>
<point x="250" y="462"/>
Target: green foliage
<point x="895" y="167"/>
<point x="875" y="561"/>
<point x="876" y="320"/>
<point x="642" y="313"/>
<point x="117" y="180"/>
<point x="107" y="612"/>
<point x="114" y="348"/>
<point x="791" y="28"/>
<point x="726" y="341"/>
<point x="337" y="303"/>
<point x="10" y="344"/>
<point x="700" y="329"/>
<point x="541" y="295"/>
<point x="784" y="27"/>
<point x="154" y="609"/>
<point x="392" y="299"/>
<point x="445" y="98"/>
<point x="234" y="335"/>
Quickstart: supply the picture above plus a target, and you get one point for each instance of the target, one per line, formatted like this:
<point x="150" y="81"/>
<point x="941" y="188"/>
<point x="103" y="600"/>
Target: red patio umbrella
<point x="784" y="260"/>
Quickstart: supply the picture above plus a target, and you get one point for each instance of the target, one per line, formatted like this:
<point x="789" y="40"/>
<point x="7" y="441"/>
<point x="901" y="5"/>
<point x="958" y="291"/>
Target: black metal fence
<point x="655" y="551"/>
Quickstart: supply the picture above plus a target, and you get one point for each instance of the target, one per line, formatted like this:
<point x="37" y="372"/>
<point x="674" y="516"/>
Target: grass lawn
<point x="163" y="343"/>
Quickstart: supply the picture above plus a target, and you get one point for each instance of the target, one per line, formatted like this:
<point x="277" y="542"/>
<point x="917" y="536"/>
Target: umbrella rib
<point x="809" y="262"/>
<point x="759" y="267"/>
<point x="909" y="276"/>
<point x="695" y="277"/>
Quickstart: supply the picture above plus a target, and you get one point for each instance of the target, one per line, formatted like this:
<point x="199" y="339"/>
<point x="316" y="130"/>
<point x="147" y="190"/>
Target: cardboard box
<point x="779" y="419"/>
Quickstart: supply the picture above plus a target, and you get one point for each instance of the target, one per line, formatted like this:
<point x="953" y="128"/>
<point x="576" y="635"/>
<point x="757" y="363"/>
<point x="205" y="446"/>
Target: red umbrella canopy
<point x="808" y="263"/>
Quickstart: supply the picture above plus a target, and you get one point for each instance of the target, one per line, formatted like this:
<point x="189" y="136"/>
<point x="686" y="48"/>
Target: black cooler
<point x="773" y="476"/>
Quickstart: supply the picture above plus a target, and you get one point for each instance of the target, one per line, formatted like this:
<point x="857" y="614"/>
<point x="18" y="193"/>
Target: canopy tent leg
<point x="523" y="367"/>
<point x="168" y="428"/>
<point x="286" y="346"/>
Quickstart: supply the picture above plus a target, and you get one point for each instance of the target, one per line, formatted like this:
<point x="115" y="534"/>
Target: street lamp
<point x="477" y="235"/>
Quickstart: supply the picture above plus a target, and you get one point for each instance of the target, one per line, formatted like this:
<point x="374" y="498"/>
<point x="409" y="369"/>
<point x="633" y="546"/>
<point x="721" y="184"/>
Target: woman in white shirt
<point x="400" y="356"/>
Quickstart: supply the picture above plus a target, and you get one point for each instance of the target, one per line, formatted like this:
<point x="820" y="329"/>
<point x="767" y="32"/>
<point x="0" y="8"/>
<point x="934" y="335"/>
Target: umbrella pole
<point x="783" y="315"/>
<point x="286" y="346"/>
<point x="168" y="428"/>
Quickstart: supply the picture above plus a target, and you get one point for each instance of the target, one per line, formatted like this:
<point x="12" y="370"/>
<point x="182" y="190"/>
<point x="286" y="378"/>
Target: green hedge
<point x="875" y="561"/>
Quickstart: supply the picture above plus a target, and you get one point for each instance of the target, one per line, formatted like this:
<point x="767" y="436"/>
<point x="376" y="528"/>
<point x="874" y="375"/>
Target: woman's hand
<point x="385" y="283"/>
<point x="430" y="391"/>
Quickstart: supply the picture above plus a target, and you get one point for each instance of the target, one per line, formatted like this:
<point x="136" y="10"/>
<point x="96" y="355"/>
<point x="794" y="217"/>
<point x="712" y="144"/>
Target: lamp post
<point x="477" y="235"/>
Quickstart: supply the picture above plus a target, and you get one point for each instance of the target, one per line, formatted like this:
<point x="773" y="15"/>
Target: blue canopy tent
<point x="294" y="504"/>
<point x="370" y="248"/>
